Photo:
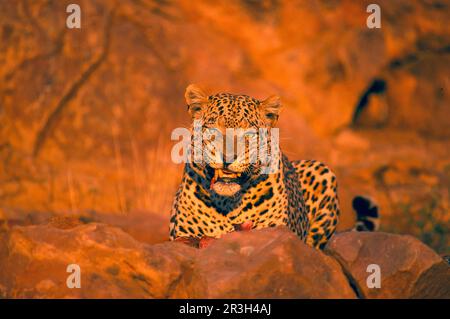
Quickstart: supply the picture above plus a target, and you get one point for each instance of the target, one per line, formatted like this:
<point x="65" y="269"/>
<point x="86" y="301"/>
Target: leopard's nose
<point x="226" y="168"/>
<point x="230" y="149"/>
<point x="229" y="157"/>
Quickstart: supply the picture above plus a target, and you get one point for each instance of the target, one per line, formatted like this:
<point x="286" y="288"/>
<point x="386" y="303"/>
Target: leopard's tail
<point x="367" y="216"/>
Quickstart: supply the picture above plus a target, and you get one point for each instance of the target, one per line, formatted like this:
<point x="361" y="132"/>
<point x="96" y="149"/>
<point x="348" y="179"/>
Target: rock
<point x="144" y="226"/>
<point x="375" y="113"/>
<point x="418" y="93"/>
<point x="269" y="263"/>
<point x="348" y="139"/>
<point x="409" y="269"/>
<point x="34" y="259"/>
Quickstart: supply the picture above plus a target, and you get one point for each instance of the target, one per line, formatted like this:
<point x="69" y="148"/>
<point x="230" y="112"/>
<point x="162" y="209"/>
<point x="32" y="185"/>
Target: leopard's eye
<point x="250" y="134"/>
<point x="212" y="133"/>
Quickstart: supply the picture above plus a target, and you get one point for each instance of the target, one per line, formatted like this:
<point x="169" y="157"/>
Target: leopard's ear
<point x="271" y="109"/>
<point x="196" y="100"/>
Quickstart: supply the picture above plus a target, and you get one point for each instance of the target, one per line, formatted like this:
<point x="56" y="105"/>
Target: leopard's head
<point x="232" y="132"/>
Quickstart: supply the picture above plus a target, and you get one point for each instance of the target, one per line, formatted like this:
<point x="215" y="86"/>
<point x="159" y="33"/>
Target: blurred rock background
<point x="86" y="114"/>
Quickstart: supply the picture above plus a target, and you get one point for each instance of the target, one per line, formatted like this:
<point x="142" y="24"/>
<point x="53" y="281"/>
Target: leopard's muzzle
<point x="225" y="182"/>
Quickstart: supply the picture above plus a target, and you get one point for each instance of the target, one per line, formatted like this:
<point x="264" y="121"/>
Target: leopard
<point x="222" y="194"/>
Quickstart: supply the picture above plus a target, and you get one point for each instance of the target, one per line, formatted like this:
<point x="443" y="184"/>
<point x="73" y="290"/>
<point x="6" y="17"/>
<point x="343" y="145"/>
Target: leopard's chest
<point x="264" y="204"/>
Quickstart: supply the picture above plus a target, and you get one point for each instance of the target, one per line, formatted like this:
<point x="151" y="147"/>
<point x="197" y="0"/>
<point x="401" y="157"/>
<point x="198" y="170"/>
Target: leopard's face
<point x="231" y="132"/>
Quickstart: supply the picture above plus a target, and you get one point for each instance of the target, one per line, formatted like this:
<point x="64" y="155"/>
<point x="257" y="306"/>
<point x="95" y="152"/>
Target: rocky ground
<point x="269" y="263"/>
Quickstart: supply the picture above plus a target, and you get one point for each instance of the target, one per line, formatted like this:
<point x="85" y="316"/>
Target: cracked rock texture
<point x="269" y="263"/>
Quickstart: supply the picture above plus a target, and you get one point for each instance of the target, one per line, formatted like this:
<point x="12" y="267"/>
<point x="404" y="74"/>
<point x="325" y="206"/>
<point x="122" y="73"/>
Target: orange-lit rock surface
<point x="269" y="263"/>
<point x="86" y="114"/>
<point x="34" y="260"/>
<point x="408" y="268"/>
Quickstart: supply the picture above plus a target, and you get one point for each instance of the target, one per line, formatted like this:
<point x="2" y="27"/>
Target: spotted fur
<point x="301" y="195"/>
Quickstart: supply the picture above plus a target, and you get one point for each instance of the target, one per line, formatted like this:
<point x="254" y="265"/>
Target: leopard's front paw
<point x="190" y="241"/>
<point x="245" y="226"/>
<point x="205" y="241"/>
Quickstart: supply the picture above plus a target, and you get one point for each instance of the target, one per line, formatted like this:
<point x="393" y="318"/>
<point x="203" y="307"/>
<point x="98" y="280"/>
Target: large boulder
<point x="34" y="259"/>
<point x="269" y="263"/>
<point x="408" y="268"/>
